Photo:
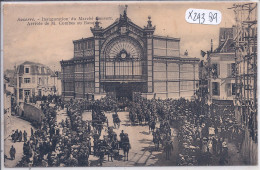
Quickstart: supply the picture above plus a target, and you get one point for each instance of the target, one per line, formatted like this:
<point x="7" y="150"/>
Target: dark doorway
<point x="124" y="90"/>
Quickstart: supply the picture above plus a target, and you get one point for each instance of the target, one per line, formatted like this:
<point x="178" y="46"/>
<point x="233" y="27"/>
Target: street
<point x="142" y="151"/>
<point x="11" y="124"/>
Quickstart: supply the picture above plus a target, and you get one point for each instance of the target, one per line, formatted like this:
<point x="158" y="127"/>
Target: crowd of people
<point x="41" y="147"/>
<point x="204" y="131"/>
<point x="17" y="136"/>
<point x="155" y="113"/>
<point x="68" y="143"/>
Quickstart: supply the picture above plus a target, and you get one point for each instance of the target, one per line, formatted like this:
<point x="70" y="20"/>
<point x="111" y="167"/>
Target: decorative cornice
<point x="79" y="60"/>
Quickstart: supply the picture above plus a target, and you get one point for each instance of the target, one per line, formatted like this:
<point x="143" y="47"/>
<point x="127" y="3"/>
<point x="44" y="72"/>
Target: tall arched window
<point x="123" y="59"/>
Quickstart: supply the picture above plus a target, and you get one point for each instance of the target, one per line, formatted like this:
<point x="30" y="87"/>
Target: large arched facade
<point x="122" y="66"/>
<point x="123" y="59"/>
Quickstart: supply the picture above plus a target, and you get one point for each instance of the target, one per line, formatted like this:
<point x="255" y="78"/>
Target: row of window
<point x="175" y="95"/>
<point x="123" y="68"/>
<point x="40" y="80"/>
<point x="176" y="75"/>
<point x="231" y="70"/>
<point x="27" y="93"/>
<point x="83" y="45"/>
<point x="175" y="67"/>
<point x="161" y="43"/>
<point x="230" y="89"/>
<point x="68" y="69"/>
<point x="87" y="68"/>
<point x="174" y="86"/>
<point x="86" y="76"/>
<point x="41" y="70"/>
<point x="166" y="52"/>
<point x="89" y="87"/>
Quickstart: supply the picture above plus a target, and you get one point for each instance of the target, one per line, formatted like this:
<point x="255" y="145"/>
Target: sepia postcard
<point x="129" y="84"/>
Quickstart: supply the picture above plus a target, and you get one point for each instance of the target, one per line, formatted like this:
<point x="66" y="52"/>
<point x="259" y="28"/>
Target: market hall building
<point x="123" y="59"/>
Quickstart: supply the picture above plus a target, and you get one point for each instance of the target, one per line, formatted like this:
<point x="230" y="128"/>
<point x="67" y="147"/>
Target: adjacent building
<point x="7" y="97"/>
<point x="35" y="79"/>
<point x="125" y="58"/>
<point x="222" y="67"/>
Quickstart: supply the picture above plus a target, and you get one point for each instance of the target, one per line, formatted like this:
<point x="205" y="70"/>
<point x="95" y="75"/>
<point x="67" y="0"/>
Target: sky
<point x="49" y="44"/>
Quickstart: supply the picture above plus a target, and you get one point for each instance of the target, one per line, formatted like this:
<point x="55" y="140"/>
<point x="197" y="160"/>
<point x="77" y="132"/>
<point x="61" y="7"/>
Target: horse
<point x="126" y="147"/>
<point x="109" y="152"/>
<point x="116" y="120"/>
<point x="113" y="150"/>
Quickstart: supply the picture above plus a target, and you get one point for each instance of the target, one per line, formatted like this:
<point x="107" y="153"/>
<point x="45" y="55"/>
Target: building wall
<point x="166" y="47"/>
<point x="7" y="103"/>
<point x="84" y="47"/>
<point x="223" y="76"/>
<point x="173" y="79"/>
<point x="55" y="82"/>
<point x="68" y="89"/>
<point x="37" y="80"/>
<point x="78" y="79"/>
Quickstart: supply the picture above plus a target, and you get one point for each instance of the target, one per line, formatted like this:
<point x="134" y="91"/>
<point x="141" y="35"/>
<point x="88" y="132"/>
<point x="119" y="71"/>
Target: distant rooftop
<point x="35" y="68"/>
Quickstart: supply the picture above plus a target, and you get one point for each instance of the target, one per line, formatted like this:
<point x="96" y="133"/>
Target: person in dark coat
<point x="12" y="152"/>
<point x="20" y="136"/>
<point x="25" y="136"/>
<point x="31" y="131"/>
<point x="214" y="145"/>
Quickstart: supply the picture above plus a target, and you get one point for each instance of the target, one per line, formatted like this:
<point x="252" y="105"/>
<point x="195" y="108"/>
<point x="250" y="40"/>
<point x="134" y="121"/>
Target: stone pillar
<point x="150" y="65"/>
<point x="149" y="30"/>
<point x="97" y="32"/>
<point x="97" y="82"/>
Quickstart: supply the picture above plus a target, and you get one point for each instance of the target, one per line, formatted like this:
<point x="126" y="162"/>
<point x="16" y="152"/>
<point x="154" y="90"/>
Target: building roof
<point x="226" y="46"/>
<point x="166" y="37"/>
<point x="35" y="68"/>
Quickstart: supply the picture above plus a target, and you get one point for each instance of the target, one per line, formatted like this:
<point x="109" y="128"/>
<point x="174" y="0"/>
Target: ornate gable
<point x="122" y="26"/>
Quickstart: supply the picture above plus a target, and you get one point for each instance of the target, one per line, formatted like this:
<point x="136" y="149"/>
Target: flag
<point x="203" y="53"/>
